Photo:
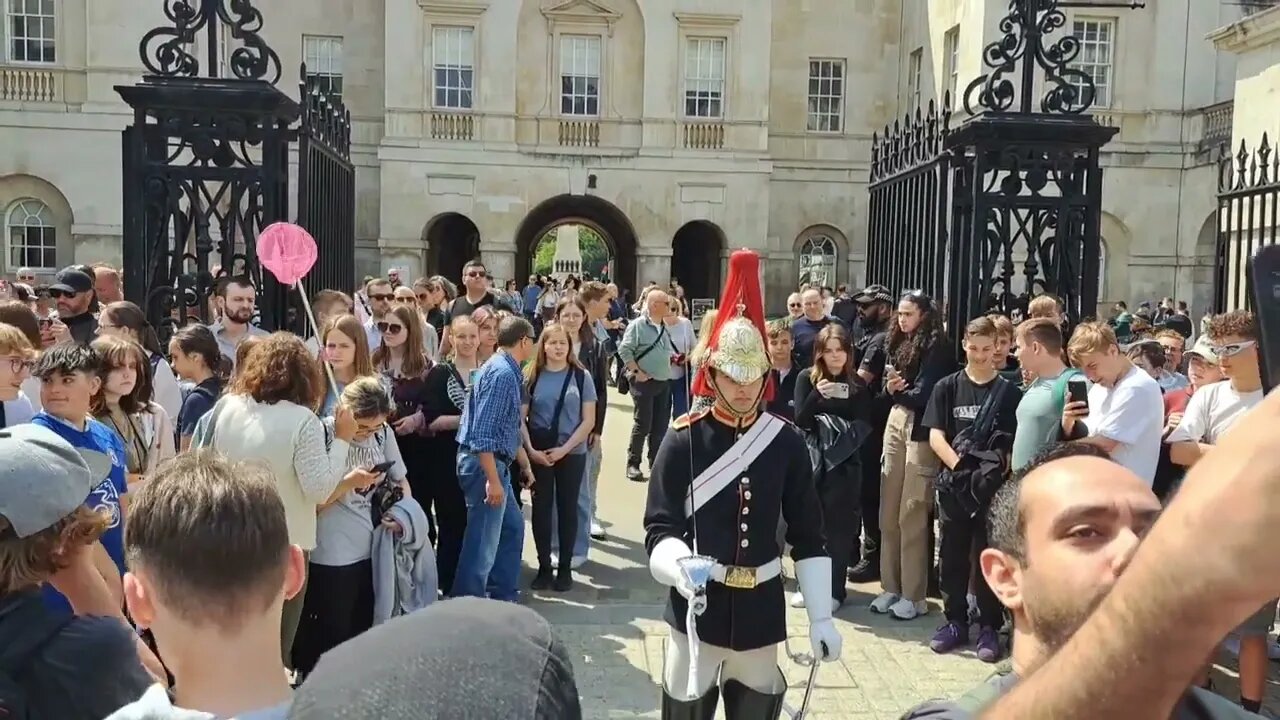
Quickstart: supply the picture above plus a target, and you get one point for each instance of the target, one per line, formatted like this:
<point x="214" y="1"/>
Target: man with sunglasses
<point x="1212" y="411"/>
<point x="380" y="295"/>
<point x="72" y="290"/>
<point x="475" y="280"/>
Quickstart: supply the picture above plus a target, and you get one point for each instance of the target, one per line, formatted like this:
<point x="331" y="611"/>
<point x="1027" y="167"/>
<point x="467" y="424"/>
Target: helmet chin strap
<point x="729" y="407"/>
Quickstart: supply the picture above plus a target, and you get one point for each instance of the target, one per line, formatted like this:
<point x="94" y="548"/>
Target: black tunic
<point x="739" y="526"/>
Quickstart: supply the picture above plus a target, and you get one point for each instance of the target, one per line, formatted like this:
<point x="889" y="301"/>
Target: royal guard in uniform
<point x="722" y="480"/>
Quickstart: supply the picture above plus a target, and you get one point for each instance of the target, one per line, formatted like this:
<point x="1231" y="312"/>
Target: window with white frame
<point x="914" y="63"/>
<point x="323" y="55"/>
<point x="31" y="30"/>
<point x="817" y="261"/>
<point x="951" y="54"/>
<point x="453" y="67"/>
<point x="1097" y="54"/>
<point x="704" y="77"/>
<point x="33" y="238"/>
<point x="826" y="96"/>
<point x="580" y="75"/>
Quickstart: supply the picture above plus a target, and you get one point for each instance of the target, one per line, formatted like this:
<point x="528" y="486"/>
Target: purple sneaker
<point x="949" y="637"/>
<point x="988" y="644"/>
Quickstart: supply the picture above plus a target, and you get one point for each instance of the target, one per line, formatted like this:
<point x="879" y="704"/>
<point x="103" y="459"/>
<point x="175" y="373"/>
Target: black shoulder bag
<point x="962" y="489"/>
<point x="546" y="438"/>
<point x="624" y="382"/>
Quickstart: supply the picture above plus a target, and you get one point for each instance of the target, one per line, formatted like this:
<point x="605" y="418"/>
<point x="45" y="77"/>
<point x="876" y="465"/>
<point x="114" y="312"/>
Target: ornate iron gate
<point x="206" y="167"/>
<point x="1007" y="205"/>
<point x="1248" y="219"/>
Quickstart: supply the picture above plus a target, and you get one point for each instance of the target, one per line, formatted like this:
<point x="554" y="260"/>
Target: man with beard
<point x="72" y="290"/>
<point x="236" y="301"/>
<point x="1062" y="531"/>
<point x="476" y="293"/>
<point x="875" y="307"/>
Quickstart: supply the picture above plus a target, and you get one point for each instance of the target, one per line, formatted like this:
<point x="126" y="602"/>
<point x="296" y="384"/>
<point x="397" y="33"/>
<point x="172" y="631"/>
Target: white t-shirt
<point x="1211" y="413"/>
<point x="1132" y="414"/>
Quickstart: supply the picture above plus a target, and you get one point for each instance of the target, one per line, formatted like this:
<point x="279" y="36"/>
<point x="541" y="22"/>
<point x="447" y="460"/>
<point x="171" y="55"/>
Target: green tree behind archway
<point x="594" y="250"/>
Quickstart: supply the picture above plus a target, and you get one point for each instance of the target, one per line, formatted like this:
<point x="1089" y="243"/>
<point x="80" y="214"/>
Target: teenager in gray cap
<point x="461" y="659"/>
<point x="54" y="665"/>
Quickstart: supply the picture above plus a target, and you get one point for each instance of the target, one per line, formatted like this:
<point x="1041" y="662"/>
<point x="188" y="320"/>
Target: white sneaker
<point x="882" y="603"/>
<point x="904" y="609"/>
<point x="797" y="600"/>
<point x="597" y="532"/>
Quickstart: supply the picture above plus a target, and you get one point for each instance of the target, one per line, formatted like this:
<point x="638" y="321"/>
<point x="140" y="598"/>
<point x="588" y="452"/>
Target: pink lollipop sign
<point x="287" y="250"/>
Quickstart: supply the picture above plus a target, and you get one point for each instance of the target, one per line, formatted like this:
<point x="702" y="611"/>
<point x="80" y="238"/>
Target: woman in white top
<point x="126" y="320"/>
<point x="269" y="415"/>
<point x="340" y="603"/>
<point x="123" y="403"/>
<point x="680" y="330"/>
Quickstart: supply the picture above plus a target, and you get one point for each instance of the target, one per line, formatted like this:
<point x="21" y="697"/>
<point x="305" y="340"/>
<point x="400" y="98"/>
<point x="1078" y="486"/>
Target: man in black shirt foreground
<point x="1062" y="532"/>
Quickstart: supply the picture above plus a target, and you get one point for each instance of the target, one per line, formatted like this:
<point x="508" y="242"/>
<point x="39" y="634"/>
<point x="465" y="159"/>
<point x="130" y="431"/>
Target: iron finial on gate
<point x="166" y="51"/>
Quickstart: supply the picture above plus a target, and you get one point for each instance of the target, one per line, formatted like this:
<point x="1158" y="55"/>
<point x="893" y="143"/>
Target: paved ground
<point x="612" y="624"/>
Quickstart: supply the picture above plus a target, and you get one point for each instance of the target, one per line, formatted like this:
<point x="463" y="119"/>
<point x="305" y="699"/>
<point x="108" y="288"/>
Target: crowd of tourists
<point x="235" y="492"/>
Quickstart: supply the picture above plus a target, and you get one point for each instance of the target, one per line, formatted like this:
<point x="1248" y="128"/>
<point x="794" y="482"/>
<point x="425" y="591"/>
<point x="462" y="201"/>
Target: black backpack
<point x="17" y="657"/>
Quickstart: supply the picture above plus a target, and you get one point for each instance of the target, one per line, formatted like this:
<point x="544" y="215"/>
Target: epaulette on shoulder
<point x="688" y="419"/>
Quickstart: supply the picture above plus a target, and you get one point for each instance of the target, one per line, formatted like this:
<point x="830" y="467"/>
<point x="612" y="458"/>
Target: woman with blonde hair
<point x="698" y="356"/>
<point x="560" y="412"/>
<point x="437" y="490"/>
<point x="123" y="403"/>
<point x="344" y="344"/>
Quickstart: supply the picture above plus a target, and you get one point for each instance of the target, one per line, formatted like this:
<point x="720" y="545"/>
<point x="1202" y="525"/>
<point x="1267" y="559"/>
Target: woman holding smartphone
<point x="832" y="407"/>
<point x="680" y="331"/>
<point x="339" y="605"/>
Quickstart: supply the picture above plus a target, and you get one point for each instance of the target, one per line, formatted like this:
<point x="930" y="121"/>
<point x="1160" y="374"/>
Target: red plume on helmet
<point x="742" y="298"/>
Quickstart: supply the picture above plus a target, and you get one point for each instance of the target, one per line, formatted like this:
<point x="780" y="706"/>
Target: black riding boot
<point x="743" y="703"/>
<point x="703" y="708"/>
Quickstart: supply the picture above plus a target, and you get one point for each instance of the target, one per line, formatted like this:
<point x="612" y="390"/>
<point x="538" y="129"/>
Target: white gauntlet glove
<point x="664" y="565"/>
<point x="814" y="577"/>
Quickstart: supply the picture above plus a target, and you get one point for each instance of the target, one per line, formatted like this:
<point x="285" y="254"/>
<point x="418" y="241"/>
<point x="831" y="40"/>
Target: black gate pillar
<point x="1027" y="200"/>
<point x="205" y="164"/>
<point x="1027" y="204"/>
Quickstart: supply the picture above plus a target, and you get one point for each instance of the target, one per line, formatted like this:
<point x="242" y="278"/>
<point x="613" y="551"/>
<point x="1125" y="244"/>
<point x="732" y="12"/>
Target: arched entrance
<point x="452" y="239"/>
<point x="599" y="218"/>
<point x="695" y="259"/>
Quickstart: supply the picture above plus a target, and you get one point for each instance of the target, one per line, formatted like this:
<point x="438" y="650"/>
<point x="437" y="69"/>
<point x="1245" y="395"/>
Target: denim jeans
<point x="680" y="395"/>
<point x="586" y="506"/>
<point x="489" y="564"/>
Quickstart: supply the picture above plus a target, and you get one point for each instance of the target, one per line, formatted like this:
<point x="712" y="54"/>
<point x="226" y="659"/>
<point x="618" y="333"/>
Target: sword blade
<point x="808" y="691"/>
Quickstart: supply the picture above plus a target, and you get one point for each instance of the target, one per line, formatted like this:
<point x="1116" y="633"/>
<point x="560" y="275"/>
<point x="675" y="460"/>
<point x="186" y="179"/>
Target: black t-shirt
<point x="1012" y="371"/>
<point x="956" y="400"/>
<point x="871" y="357"/>
<point x="462" y="306"/>
<point x="86" y="670"/>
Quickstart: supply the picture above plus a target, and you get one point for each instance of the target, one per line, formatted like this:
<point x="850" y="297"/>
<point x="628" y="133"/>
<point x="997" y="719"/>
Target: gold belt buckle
<point x="740" y="578"/>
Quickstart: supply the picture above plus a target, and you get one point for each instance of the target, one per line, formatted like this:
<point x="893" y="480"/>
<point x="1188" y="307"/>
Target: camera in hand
<point x="1264" y="276"/>
<point x="1078" y="390"/>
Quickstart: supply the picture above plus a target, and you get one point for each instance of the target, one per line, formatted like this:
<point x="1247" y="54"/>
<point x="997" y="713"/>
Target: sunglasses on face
<point x="26" y="278"/>
<point x="406" y="299"/>
<point x="423" y="297"/>
<point x="1233" y="349"/>
<point x="56" y="294"/>
<point x="390" y="328"/>
<point x="793" y="304"/>
<point x="475" y="273"/>
<point x="382" y="296"/>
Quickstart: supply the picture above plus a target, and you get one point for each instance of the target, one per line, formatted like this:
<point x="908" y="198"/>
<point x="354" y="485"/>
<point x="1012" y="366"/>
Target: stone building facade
<point x="679" y="129"/>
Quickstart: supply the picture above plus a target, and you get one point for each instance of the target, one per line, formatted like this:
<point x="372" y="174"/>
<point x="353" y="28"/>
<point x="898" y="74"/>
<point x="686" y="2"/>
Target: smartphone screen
<point x="1078" y="390"/>
<point x="382" y="467"/>
<point x="1264" y="272"/>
